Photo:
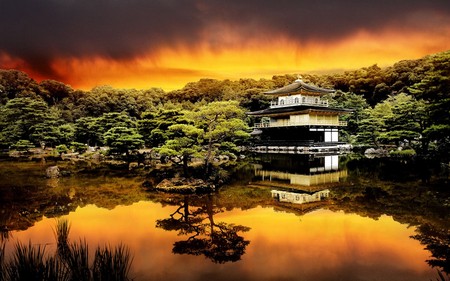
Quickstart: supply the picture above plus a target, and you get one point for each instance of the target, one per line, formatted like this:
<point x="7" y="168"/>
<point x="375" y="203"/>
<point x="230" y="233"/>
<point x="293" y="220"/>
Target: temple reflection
<point x="299" y="179"/>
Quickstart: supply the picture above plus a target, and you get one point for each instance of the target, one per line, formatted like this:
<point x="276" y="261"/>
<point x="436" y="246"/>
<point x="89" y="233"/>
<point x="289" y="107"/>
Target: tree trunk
<point x="210" y="212"/>
<point x="185" y="165"/>
<point x="208" y="159"/>
<point x="186" y="209"/>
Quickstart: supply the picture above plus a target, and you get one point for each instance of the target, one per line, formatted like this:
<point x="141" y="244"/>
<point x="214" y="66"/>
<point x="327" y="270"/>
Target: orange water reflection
<point x="321" y="245"/>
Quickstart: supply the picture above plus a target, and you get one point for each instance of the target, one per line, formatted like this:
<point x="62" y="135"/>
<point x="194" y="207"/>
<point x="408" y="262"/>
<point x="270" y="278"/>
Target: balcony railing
<point x="289" y="123"/>
<point x="318" y="102"/>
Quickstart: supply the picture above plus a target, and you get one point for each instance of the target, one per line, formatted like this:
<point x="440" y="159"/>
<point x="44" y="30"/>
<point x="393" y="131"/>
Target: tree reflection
<point x="426" y="212"/>
<point x="437" y="241"/>
<point x="219" y="242"/>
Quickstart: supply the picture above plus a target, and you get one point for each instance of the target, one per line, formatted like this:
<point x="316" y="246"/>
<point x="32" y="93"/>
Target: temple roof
<point x="299" y="85"/>
<point x="289" y="110"/>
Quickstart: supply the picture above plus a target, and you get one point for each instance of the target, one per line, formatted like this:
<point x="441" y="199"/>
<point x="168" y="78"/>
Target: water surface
<point x="364" y="230"/>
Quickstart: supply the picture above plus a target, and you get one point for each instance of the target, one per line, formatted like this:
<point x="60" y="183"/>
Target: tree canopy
<point x="408" y="102"/>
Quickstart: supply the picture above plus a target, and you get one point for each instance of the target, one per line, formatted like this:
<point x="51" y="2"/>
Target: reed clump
<point x="70" y="262"/>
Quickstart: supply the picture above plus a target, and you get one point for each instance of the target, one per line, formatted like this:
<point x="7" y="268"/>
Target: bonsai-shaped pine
<point x="219" y="242"/>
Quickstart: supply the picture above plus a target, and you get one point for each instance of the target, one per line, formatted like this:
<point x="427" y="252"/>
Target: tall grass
<point x="2" y="261"/>
<point x="4" y="235"/>
<point x="70" y="262"/>
<point x="77" y="261"/>
<point x="112" y="264"/>
<point x="61" y="232"/>
<point x="29" y="262"/>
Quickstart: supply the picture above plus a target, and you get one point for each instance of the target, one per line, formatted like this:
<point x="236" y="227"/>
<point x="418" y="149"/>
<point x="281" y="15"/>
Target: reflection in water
<point x="300" y="197"/>
<point x="361" y="231"/>
<point x="437" y="241"/>
<point x="299" y="179"/>
<point x="219" y="242"/>
<point x="304" y="172"/>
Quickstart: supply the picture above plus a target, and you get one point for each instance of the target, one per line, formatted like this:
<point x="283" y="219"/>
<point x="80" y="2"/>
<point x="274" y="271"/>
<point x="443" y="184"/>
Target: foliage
<point x="123" y="140"/>
<point x="408" y="101"/>
<point x="27" y="119"/>
<point x="400" y="118"/>
<point x="78" y="147"/>
<point x="22" y="145"/>
<point x="70" y="262"/>
<point x="154" y="125"/>
<point x="403" y="153"/>
<point x="62" y="148"/>
<point x="210" y="127"/>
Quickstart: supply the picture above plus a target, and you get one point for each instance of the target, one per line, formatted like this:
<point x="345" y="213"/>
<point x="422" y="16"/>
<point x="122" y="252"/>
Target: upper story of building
<point x="299" y="104"/>
<point x="299" y="93"/>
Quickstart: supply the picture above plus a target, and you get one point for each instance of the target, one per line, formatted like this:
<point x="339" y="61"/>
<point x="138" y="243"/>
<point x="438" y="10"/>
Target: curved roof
<point x="298" y="85"/>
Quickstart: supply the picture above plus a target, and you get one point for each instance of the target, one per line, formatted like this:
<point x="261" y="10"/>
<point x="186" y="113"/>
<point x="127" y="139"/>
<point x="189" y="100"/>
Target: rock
<point x="133" y="165"/>
<point x="70" y="155"/>
<point x="185" y="186"/>
<point x="52" y="172"/>
<point x="379" y="151"/>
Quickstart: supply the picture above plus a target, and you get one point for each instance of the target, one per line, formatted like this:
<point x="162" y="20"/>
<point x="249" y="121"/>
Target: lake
<point x="279" y="217"/>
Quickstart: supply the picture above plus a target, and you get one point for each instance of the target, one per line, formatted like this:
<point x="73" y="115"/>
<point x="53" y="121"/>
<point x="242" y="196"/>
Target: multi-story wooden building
<point x="298" y="120"/>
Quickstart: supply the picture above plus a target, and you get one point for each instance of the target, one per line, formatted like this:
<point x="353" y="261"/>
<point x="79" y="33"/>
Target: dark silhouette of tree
<point x="437" y="241"/>
<point x="219" y="242"/>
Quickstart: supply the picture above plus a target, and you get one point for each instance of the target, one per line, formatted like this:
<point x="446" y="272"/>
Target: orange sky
<point x="172" y="68"/>
<point x="165" y="44"/>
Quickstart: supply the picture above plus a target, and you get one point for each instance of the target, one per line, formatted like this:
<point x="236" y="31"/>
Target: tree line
<point x="404" y="104"/>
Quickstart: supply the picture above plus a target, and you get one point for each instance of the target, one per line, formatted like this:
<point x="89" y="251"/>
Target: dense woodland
<point x="407" y="104"/>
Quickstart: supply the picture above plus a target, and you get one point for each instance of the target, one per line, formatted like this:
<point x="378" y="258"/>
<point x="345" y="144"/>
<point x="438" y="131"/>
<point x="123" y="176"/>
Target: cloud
<point x="39" y="32"/>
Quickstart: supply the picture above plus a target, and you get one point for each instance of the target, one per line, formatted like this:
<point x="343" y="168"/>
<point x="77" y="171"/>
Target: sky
<point x="167" y="43"/>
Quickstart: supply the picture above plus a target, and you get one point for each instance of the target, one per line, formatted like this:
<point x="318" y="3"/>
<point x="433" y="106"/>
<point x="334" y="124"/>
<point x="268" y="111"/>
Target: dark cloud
<point x="39" y="31"/>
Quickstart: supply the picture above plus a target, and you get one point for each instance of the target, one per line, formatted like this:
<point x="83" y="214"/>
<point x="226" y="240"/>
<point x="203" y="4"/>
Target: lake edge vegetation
<point x="404" y="108"/>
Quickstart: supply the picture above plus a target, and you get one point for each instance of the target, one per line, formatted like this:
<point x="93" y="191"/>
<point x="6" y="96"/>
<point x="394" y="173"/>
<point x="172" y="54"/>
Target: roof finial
<point x="299" y="78"/>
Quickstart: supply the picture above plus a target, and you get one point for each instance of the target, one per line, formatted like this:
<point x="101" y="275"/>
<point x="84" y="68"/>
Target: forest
<point x="406" y="104"/>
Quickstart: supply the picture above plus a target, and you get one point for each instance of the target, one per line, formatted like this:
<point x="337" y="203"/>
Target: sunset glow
<point x="172" y="68"/>
<point x="170" y="46"/>
<point x="317" y="244"/>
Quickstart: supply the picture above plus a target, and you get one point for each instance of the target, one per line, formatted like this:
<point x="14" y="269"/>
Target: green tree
<point x="154" y="125"/>
<point x="27" y="119"/>
<point x="407" y="121"/>
<point x="66" y="133"/>
<point x="91" y="130"/>
<point x="23" y="145"/>
<point x="123" y="140"/>
<point x="219" y="122"/>
<point x="210" y="127"/>
<point x="16" y="84"/>
<point x="400" y="118"/>
<point x="373" y="123"/>
<point x="434" y="87"/>
<point x="184" y="145"/>
<point x="88" y="131"/>
<point x="54" y="91"/>
<point x="354" y="102"/>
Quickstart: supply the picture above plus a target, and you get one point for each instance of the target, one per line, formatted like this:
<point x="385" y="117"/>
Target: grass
<point x="70" y="262"/>
<point x="2" y="261"/>
<point x="29" y="262"/>
<point x="112" y="264"/>
<point x="403" y="153"/>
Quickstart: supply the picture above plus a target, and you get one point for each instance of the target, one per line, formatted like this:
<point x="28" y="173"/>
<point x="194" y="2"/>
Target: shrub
<point x="403" y="153"/>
